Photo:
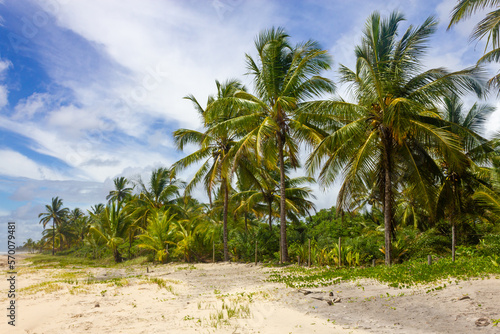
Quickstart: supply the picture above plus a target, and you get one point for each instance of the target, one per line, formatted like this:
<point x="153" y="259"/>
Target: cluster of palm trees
<point x="404" y="135"/>
<point x="403" y="143"/>
<point x="154" y="217"/>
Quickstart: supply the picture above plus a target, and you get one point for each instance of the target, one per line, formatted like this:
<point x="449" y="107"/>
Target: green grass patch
<point x="43" y="261"/>
<point x="162" y="283"/>
<point x="403" y="275"/>
<point x="46" y="287"/>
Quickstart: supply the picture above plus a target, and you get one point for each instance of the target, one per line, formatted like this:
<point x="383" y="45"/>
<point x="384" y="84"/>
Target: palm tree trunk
<point x="452" y="222"/>
<point x="226" y="205"/>
<point x="387" y="196"/>
<point x="117" y="256"/>
<point x="284" y="247"/>
<point x="53" y="237"/>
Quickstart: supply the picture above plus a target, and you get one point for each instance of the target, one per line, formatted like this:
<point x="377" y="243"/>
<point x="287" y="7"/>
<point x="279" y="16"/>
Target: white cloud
<point x="168" y="48"/>
<point x="18" y="165"/>
<point x="4" y="92"/>
<point x="3" y="96"/>
<point x="463" y="28"/>
<point x="4" y="65"/>
<point x="493" y="124"/>
<point x="73" y="121"/>
<point x="32" y="105"/>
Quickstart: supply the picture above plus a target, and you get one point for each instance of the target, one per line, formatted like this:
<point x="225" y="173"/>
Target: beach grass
<point x="41" y="261"/>
<point x="408" y="274"/>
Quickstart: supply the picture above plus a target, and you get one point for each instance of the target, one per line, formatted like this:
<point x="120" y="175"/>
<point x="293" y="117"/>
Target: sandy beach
<point x="234" y="298"/>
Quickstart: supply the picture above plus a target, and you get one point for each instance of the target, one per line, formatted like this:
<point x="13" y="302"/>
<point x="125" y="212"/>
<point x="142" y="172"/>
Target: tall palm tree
<point x="389" y="130"/>
<point x="57" y="214"/>
<point x="284" y="76"/>
<point x="488" y="28"/>
<point x="121" y="191"/>
<point x="214" y="148"/>
<point x="459" y="184"/>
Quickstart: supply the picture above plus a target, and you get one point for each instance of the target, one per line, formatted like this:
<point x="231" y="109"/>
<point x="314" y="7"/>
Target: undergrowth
<point x="403" y="275"/>
<point x="42" y="261"/>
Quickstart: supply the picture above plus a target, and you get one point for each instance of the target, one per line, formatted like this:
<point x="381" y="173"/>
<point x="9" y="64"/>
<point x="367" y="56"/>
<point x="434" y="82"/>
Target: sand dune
<point x="235" y="298"/>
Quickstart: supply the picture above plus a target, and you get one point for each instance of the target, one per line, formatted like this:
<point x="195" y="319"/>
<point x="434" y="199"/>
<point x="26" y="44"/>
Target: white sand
<point x="50" y="301"/>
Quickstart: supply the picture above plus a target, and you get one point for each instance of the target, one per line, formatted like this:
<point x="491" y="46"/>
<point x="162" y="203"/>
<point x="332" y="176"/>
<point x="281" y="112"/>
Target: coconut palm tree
<point x="57" y="214"/>
<point x="390" y="130"/>
<point x="29" y="244"/>
<point x="158" y="234"/>
<point x="214" y="148"/>
<point x="121" y="191"/>
<point x="284" y="76"/>
<point x="112" y="227"/>
<point x="96" y="210"/>
<point x="488" y="28"/>
<point x="455" y="193"/>
<point x="263" y="195"/>
<point x="162" y="191"/>
<point x="78" y="223"/>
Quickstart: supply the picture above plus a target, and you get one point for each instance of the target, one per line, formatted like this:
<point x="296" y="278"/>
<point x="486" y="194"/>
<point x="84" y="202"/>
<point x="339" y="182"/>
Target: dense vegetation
<point x="418" y="177"/>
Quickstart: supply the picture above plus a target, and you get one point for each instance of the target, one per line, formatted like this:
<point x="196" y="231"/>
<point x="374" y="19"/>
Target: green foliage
<point x="429" y="242"/>
<point x="112" y="227"/>
<point x="413" y="272"/>
<point x="158" y="234"/>
<point x="242" y="245"/>
<point x="40" y="261"/>
<point x="488" y="245"/>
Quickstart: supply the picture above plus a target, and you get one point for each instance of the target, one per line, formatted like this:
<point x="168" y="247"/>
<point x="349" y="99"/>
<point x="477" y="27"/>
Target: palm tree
<point x="78" y="223"/>
<point x="158" y="234"/>
<point x="389" y="130"/>
<point x="487" y="28"/>
<point x="121" y="191"/>
<point x="112" y="227"/>
<point x="162" y="191"/>
<point x="284" y="77"/>
<point x="263" y="195"/>
<point x="29" y="244"/>
<point x="96" y="210"/>
<point x="459" y="184"/>
<point x="57" y="214"/>
<point x="214" y="148"/>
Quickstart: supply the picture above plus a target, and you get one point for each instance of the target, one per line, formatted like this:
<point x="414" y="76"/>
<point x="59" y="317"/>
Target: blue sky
<point x="91" y="90"/>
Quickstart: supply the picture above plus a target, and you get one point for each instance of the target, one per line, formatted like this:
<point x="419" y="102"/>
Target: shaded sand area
<point x="234" y="298"/>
